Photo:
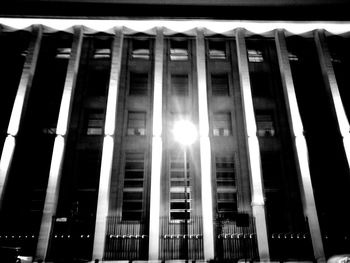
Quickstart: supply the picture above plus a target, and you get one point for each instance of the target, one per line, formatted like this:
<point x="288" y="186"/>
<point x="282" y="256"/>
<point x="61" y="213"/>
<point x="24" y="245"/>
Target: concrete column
<point x="205" y="149"/>
<point x="157" y="147"/>
<point x="108" y="147"/>
<point x="53" y="185"/>
<point x="258" y="203"/>
<point x="332" y="89"/>
<point x="300" y="147"/>
<point x="19" y="106"/>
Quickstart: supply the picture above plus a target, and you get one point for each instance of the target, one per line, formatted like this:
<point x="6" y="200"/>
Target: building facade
<point x="90" y="169"/>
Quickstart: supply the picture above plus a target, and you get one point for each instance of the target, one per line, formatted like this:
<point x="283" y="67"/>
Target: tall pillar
<point x="205" y="149"/>
<point x="157" y="146"/>
<point x="258" y="203"/>
<point x="300" y="147"/>
<point x="108" y="146"/>
<point x="333" y="91"/>
<point x="19" y="106"/>
<point x="53" y="185"/>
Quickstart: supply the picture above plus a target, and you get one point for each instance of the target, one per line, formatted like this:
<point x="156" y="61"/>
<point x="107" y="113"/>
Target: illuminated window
<point x="179" y="84"/>
<point x="140" y="49"/>
<point x="138" y="84"/>
<point x="136" y="123"/>
<point x="180" y="190"/>
<point x="265" y="125"/>
<point x="95" y="119"/>
<point x="335" y="58"/>
<point x="293" y="57"/>
<point x="222" y="125"/>
<point x="133" y="186"/>
<point x="102" y="48"/>
<point x="255" y="56"/>
<point x="219" y="85"/>
<point x="102" y="53"/>
<point x="63" y="53"/>
<point x="217" y="49"/>
<point x="226" y="186"/>
<point x="178" y="50"/>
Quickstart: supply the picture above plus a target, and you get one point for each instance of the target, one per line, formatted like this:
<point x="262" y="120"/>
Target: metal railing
<point x="126" y="240"/>
<point x="177" y="242"/>
<point x="235" y="241"/>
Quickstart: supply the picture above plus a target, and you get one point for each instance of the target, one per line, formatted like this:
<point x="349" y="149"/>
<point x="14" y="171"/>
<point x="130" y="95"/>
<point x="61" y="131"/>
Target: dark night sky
<point x="217" y="9"/>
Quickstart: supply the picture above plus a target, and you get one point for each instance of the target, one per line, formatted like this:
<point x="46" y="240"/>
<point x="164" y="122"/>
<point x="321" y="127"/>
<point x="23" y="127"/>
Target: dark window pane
<point x="179" y="85"/>
<point x="217" y="49"/>
<point x="219" y="84"/>
<point x="138" y="84"/>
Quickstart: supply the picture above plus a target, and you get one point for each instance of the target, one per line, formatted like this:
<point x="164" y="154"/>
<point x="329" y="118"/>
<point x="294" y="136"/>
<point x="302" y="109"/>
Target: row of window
<point x="180" y="189"/>
<point x="136" y="123"/>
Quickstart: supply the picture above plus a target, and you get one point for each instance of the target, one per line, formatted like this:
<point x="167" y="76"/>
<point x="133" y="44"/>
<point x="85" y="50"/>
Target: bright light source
<point x="185" y="132"/>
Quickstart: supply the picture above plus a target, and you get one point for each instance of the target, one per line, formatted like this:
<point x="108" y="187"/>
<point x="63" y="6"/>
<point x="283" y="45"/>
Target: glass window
<point x="219" y="85"/>
<point x="255" y="56"/>
<point x="63" y="53"/>
<point x="180" y="190"/>
<point x="102" y="53"/>
<point x="133" y="186"/>
<point x="179" y="84"/>
<point x="136" y="123"/>
<point x="95" y="119"/>
<point x="140" y="49"/>
<point x="217" y="49"/>
<point x="260" y="84"/>
<point x="222" y="125"/>
<point x="265" y="124"/>
<point x="226" y="186"/>
<point x="138" y="84"/>
<point x="293" y="57"/>
<point x="102" y="48"/>
<point x="178" y="49"/>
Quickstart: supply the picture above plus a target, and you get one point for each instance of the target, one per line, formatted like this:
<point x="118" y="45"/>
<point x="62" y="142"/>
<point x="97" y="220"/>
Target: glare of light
<point x="185" y="132"/>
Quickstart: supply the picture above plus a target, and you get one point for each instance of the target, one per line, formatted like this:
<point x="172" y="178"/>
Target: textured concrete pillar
<point x="205" y="149"/>
<point x="19" y="106"/>
<point x="108" y="146"/>
<point x="258" y="203"/>
<point x="156" y="148"/>
<point x="332" y="89"/>
<point x="300" y="147"/>
<point x="53" y="185"/>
